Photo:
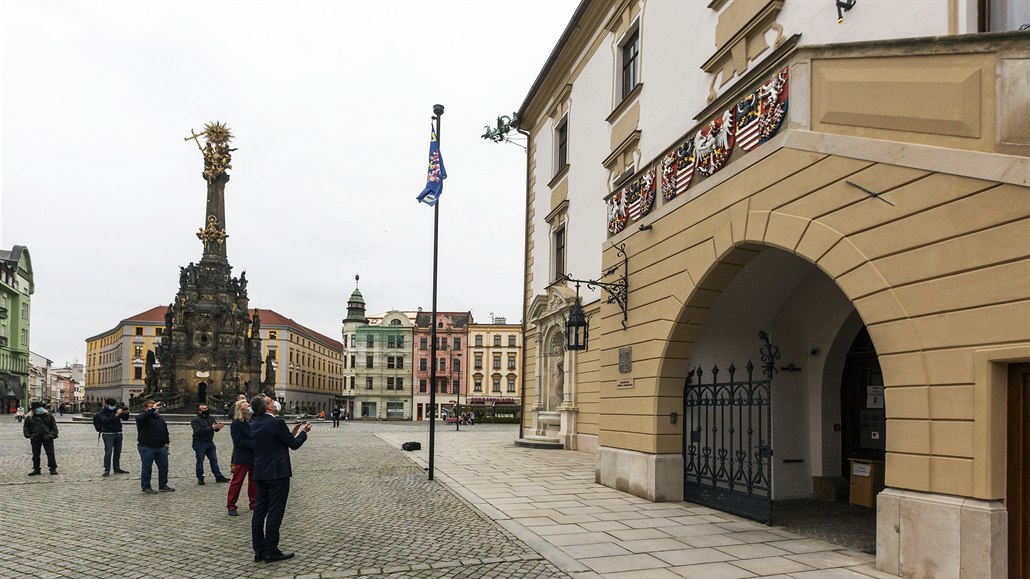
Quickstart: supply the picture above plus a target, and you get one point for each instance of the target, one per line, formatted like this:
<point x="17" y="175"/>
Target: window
<point x="442" y="388"/>
<point x="454" y="387"/>
<point x="511" y="341"/>
<point x="137" y="373"/>
<point x="422" y="364"/>
<point x="456" y="364"/>
<point x="559" y="253"/>
<point x="400" y="341"/>
<point x="497" y="340"/>
<point x="497" y="384"/>
<point x="368" y="383"/>
<point x="137" y="351"/>
<point x="561" y="147"/>
<point x="479" y="340"/>
<point x="399" y="383"/>
<point x="25" y="311"/>
<point x="395" y="322"/>
<point x="423" y="343"/>
<point x="352" y="382"/>
<point x="370" y="342"/>
<point x="441" y="344"/>
<point x="478" y="387"/>
<point x="389" y="362"/>
<point x="443" y="363"/>
<point x="389" y="382"/>
<point x="511" y="383"/>
<point x="400" y="361"/>
<point x="391" y="341"/>
<point x="439" y="325"/>
<point x="272" y="335"/>
<point x="422" y="386"/>
<point x="497" y="361"/>
<point x="511" y="361"/>
<point x="479" y="362"/>
<point x="630" y="51"/>
<point x="368" y="361"/>
<point x="457" y="343"/>
<point x="352" y="360"/>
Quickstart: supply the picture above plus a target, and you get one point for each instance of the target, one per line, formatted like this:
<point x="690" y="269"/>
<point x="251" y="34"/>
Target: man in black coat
<point x="41" y="430"/>
<point x="152" y="442"/>
<point x="273" y="441"/>
<point x="204" y="429"/>
<point x="110" y="419"/>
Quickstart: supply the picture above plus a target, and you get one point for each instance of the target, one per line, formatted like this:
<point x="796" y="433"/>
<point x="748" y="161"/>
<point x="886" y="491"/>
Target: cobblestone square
<point x="357" y="507"/>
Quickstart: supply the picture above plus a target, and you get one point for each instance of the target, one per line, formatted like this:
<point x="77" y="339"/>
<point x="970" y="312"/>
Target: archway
<point x="821" y="341"/>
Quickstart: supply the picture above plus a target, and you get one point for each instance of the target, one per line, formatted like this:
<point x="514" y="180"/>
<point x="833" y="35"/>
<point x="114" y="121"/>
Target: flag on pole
<point x="437" y="173"/>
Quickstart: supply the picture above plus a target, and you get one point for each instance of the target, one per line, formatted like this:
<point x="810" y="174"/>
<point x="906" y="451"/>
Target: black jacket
<point x="153" y="432"/>
<point x="242" y="442"/>
<point x="203" y="428"/>
<point x="272" y="444"/>
<point x="109" y="421"/>
<point x="40" y="426"/>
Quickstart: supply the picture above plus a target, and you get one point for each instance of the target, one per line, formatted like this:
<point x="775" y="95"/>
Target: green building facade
<point x="16" y="288"/>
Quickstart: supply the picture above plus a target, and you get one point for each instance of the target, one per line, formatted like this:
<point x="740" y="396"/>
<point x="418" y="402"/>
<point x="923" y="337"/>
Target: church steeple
<point x="356" y="305"/>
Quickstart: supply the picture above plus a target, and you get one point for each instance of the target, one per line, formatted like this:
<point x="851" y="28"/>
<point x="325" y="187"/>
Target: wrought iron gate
<point x="727" y="438"/>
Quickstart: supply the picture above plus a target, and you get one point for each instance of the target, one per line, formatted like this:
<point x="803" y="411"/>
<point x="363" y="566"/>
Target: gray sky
<point x="330" y="105"/>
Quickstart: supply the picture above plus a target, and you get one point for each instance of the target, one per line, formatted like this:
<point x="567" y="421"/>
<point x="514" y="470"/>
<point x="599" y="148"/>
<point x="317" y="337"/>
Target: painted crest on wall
<point x="714" y="143"/>
<point x="677" y="170"/>
<point x="760" y="114"/>
<point x="640" y="195"/>
<point x="617" y="212"/>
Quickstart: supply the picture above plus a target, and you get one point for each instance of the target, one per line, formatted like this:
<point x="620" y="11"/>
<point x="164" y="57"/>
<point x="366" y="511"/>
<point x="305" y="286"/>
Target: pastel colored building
<point x="16" y="289"/>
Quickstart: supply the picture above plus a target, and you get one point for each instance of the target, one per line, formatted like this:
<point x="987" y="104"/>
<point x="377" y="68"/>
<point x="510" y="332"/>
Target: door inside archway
<point x="202" y="393"/>
<point x="863" y="417"/>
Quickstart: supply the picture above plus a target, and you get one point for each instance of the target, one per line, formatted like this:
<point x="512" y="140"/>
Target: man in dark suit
<point x="273" y="441"/>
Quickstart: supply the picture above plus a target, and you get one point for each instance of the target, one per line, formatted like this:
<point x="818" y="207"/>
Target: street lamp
<point x="577" y="329"/>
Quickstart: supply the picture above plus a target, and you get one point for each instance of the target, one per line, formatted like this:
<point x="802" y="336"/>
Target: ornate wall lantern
<point x="577" y="327"/>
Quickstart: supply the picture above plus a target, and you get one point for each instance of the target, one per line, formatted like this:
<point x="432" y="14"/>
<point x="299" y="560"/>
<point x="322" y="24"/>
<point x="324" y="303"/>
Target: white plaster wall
<point x="544" y="153"/>
<point x="802" y="309"/>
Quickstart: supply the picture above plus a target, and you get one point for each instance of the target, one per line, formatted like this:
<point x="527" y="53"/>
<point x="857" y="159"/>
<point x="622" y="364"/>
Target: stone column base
<point x="922" y="534"/>
<point x="655" y="477"/>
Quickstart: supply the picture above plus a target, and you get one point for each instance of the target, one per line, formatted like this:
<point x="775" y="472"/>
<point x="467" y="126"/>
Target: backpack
<point x="413" y="445"/>
<point x="97" y="424"/>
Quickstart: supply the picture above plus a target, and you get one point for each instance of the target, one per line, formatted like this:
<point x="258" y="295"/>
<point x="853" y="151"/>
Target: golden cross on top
<point x="195" y="137"/>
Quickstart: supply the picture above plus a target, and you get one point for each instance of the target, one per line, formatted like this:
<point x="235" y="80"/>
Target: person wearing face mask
<point x="41" y="430"/>
<point x="110" y="419"/>
<point x="204" y="429"/>
<point x="242" y="457"/>
<point x="152" y="443"/>
<point x="273" y="441"/>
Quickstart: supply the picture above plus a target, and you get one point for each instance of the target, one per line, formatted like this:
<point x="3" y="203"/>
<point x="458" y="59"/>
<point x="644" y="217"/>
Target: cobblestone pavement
<point x="839" y="523"/>
<point x="357" y="507"/>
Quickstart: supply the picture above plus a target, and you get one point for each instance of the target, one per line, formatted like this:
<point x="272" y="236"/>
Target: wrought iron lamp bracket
<point x="617" y="289"/>
<point x="770" y="354"/>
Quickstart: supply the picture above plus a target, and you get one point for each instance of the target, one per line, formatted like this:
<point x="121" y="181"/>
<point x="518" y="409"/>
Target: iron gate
<point x="727" y="438"/>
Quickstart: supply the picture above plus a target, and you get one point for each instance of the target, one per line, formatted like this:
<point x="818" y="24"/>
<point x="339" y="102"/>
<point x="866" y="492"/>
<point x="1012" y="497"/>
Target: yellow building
<point x="116" y="359"/>
<point x="859" y="197"/>
<point x="494" y="361"/>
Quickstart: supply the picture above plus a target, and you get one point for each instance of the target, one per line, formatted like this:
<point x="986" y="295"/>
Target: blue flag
<point x="437" y="173"/>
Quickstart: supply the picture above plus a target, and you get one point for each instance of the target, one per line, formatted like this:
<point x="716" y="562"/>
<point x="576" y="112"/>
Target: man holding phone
<point x="152" y="442"/>
<point x="272" y="441"/>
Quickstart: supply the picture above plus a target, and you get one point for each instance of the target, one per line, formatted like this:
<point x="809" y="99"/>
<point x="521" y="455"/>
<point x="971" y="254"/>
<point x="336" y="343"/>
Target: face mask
<point x="278" y="407"/>
<point x="110" y="407"/>
<point x="205" y="413"/>
<point x="250" y="410"/>
<point x="152" y="411"/>
<point x="41" y="411"/>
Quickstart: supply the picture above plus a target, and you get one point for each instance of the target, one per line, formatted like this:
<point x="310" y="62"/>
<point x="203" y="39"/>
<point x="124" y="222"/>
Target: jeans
<point x="48" y="446"/>
<point x="149" y="456"/>
<point x="268" y="514"/>
<point x="236" y="484"/>
<point x="207" y="449"/>
<point x="112" y="446"/>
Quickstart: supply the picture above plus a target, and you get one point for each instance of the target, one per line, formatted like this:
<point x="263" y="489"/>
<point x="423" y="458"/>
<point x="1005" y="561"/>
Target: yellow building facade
<point x="493" y="365"/>
<point x="861" y="199"/>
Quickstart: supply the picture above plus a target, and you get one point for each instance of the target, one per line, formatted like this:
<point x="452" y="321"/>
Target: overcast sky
<point x="330" y="105"/>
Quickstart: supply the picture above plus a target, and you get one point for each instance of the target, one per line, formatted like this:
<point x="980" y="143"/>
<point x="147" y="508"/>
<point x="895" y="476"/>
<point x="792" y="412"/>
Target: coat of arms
<point x="714" y="143"/>
<point x="677" y="170"/>
<point x="640" y="195"/>
<point x="617" y="212"/>
<point x="761" y="113"/>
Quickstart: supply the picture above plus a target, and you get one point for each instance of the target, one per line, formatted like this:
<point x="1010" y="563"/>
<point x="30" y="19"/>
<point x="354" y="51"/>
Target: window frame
<point x="561" y="144"/>
<point x="629" y="62"/>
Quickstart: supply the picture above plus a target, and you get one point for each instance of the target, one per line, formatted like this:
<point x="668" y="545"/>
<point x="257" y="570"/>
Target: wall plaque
<point x="625" y="360"/>
<point x="624" y="384"/>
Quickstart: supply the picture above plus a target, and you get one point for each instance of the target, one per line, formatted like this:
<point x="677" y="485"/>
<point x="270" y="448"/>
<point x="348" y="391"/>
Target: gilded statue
<point x="216" y="150"/>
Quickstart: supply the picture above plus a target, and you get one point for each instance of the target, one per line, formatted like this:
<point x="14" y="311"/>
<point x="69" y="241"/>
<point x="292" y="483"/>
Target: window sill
<point x="625" y="104"/>
<point x="558" y="176"/>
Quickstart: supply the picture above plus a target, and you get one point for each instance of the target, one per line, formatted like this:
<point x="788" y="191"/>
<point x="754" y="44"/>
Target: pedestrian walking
<point x="242" y="457"/>
<point x="19" y="415"/>
<point x="152" y="442"/>
<point x="60" y="409"/>
<point x="472" y="418"/>
<point x="110" y="420"/>
<point x="336" y="416"/>
<point x="204" y="429"/>
<point x="273" y="441"/>
<point x="41" y="429"/>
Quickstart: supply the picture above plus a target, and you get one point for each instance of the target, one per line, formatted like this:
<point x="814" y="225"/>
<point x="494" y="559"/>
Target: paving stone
<point x="712" y="571"/>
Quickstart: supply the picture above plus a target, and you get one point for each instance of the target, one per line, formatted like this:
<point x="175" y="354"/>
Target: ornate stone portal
<point x="554" y="409"/>
<point x="211" y="347"/>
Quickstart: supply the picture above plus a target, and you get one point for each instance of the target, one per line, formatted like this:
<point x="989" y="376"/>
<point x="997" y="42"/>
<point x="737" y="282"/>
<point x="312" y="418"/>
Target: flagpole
<point x="438" y="112"/>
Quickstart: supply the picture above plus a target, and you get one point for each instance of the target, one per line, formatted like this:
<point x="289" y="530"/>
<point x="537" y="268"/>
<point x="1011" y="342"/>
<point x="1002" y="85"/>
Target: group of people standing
<point x="261" y="445"/>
